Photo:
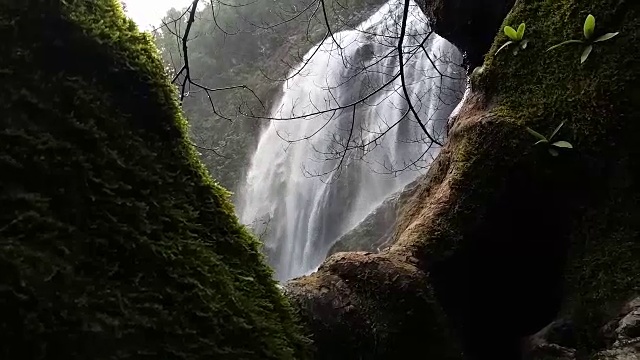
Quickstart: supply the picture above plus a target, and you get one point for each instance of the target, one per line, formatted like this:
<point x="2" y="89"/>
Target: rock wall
<point x="114" y="242"/>
<point x="375" y="232"/>
<point x="598" y="101"/>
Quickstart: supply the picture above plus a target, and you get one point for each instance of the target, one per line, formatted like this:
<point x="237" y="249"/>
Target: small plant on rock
<point x="552" y="146"/>
<point x="516" y="38"/>
<point x="589" y="28"/>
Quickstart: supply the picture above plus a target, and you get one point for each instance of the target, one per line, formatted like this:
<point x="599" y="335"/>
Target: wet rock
<point x="624" y="326"/>
<point x="551" y="352"/>
<point x="555" y="341"/>
<point x="471" y="25"/>
<point x="375" y="232"/>
<point x="624" y="351"/>
<point x="629" y="326"/>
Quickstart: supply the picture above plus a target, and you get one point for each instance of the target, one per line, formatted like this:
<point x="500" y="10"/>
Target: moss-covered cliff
<point x="599" y="101"/>
<point x="114" y="242"/>
<point x="519" y="215"/>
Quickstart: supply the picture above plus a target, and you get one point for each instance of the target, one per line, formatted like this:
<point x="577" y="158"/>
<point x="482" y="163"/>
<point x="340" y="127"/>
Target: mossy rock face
<point x="114" y="242"/>
<point x="530" y="230"/>
<point x="600" y="102"/>
<point x="511" y="235"/>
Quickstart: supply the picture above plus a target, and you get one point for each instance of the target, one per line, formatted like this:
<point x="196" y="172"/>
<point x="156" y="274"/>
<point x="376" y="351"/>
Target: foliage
<point x="516" y="38"/>
<point x="553" y="146"/>
<point x="588" y="30"/>
<point x="114" y="241"/>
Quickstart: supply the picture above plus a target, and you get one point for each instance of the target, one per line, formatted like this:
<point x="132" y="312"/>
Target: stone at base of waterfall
<point x="555" y="341"/>
<point x="626" y="334"/>
<point x="552" y="352"/>
<point x="629" y="326"/>
<point x="624" y="331"/>
<point x="624" y="351"/>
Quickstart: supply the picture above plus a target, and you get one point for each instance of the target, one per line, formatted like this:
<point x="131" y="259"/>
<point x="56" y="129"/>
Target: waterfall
<point x="315" y="175"/>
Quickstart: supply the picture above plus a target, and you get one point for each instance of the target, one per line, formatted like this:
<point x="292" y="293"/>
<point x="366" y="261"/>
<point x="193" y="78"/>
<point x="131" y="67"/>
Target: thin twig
<point x="403" y="27"/>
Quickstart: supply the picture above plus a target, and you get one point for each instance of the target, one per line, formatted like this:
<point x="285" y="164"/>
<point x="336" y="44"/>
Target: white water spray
<point x="293" y="197"/>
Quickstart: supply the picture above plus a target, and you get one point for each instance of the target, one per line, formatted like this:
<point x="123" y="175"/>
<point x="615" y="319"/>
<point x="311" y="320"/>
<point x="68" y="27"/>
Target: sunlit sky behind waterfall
<point x="148" y="13"/>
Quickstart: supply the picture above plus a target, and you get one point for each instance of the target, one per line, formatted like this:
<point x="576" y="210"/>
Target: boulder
<point x="621" y="334"/>
<point x="360" y="305"/>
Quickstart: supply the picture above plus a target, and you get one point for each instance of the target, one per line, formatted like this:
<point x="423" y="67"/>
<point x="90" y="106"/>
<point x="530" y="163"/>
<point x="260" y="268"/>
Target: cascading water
<point x="294" y="198"/>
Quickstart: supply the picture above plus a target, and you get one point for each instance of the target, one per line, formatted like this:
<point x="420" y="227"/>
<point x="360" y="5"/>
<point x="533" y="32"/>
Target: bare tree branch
<point x="403" y="29"/>
<point x="378" y="84"/>
<point x="185" y="70"/>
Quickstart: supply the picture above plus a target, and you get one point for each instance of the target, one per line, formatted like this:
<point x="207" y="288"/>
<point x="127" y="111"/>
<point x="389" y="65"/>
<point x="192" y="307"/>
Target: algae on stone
<point x="114" y="241"/>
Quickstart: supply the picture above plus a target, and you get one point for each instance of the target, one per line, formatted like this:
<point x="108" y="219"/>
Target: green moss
<point x="114" y="241"/>
<point x="600" y="102"/>
<point x="543" y="88"/>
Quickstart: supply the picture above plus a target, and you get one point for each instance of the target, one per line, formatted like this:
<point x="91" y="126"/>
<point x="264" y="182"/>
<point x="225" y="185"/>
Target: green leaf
<point x="563" y="144"/>
<point x="556" y="130"/>
<point x="541" y="142"/>
<point x="520" y="33"/>
<point x="524" y="44"/>
<point x="585" y="53"/>
<point x="536" y="134"/>
<point x="589" y="26"/>
<point x="565" y="43"/>
<point x="511" y="33"/>
<point x="553" y="152"/>
<point x="504" y="46"/>
<point x="606" y="37"/>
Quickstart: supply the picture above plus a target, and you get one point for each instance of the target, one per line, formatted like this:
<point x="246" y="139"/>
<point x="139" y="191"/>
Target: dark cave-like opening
<point x="505" y="281"/>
